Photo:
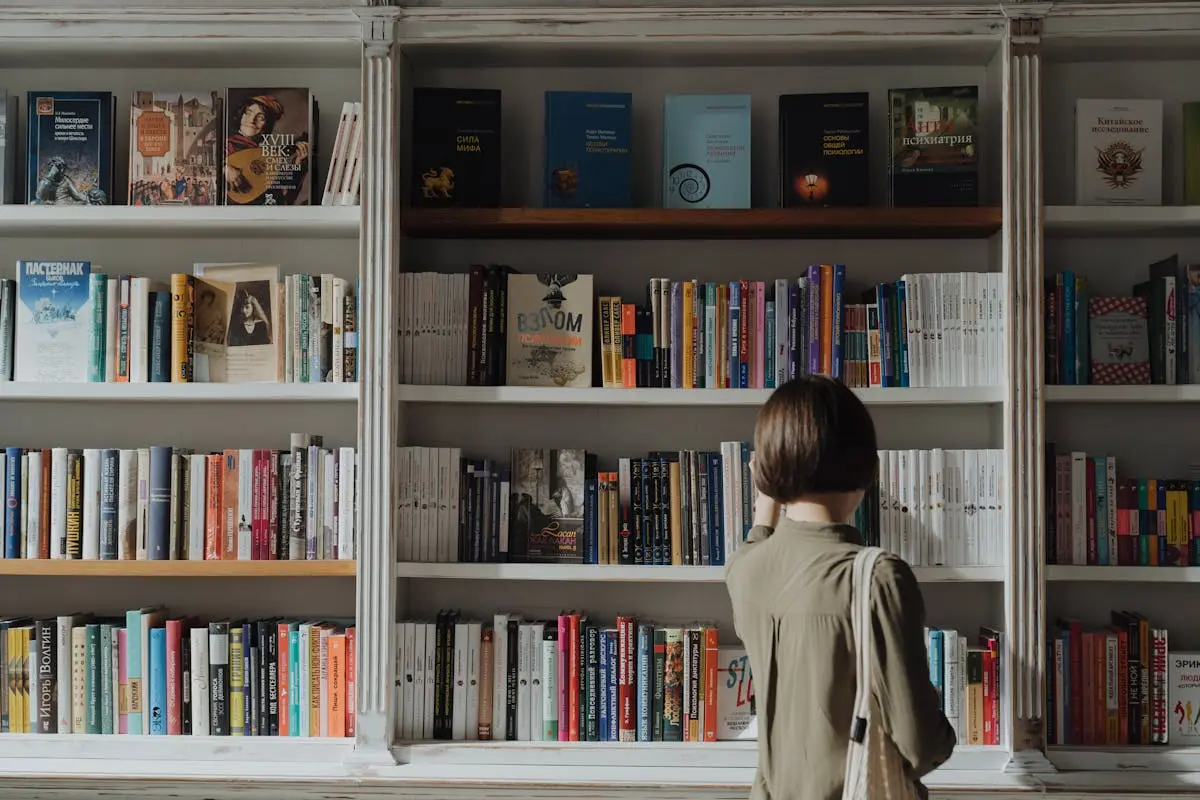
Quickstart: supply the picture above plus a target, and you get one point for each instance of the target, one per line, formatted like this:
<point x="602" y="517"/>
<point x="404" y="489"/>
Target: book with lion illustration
<point x="456" y="148"/>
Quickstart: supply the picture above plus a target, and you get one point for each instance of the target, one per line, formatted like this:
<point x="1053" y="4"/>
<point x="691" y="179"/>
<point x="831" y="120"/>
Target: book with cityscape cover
<point x="546" y="506"/>
<point x="456" y="148"/>
<point x="270" y="147"/>
<point x="934" y="152"/>
<point x="706" y="151"/>
<point x="174" y="148"/>
<point x="587" y="149"/>
<point x="70" y="148"/>
<point x="549" y="340"/>
<point x="823" y="149"/>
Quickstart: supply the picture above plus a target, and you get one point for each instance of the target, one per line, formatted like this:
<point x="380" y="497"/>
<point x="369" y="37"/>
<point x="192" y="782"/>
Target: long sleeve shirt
<point x="791" y="593"/>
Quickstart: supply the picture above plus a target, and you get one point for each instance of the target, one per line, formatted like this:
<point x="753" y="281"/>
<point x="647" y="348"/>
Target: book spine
<point x="98" y="298"/>
<point x="173" y="673"/>
<point x="549" y="655"/>
<point x="158" y="681"/>
<point x="626" y="699"/>
<point x="644" y="682"/>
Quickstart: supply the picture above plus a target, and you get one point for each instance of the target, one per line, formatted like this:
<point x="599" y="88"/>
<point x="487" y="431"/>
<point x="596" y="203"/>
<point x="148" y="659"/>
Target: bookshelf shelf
<point x="1082" y="574"/>
<point x="1122" y="221"/>
<point x="176" y="569"/>
<point x="181" y="392"/>
<point x="1140" y="758"/>
<point x="641" y="574"/>
<point x="1123" y="394"/>
<point x="96" y="749"/>
<point x="170" y="222"/>
<point x="517" y="395"/>
<point x="663" y="223"/>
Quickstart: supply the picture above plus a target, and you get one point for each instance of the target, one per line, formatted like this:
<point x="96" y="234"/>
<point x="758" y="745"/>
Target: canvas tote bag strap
<point x="855" y="784"/>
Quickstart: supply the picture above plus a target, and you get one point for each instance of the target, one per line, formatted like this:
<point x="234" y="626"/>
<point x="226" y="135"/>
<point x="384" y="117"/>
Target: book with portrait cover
<point x="70" y="148"/>
<point x="270" y="147"/>
<point x="238" y="330"/>
<point x="546" y="506"/>
<point x="823" y="149"/>
<point x="174" y="148"/>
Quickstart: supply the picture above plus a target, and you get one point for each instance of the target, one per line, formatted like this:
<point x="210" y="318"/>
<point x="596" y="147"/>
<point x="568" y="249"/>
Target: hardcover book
<point x="735" y="696"/>
<point x="934" y="155"/>
<point x="550" y="330"/>
<point x="1183" y="699"/>
<point x="823" y="149"/>
<point x="238" y="329"/>
<point x="588" y="138"/>
<point x="270" y="147"/>
<point x="1119" y="343"/>
<point x="706" y="151"/>
<point x="1118" y="152"/>
<point x="546" y="506"/>
<point x="456" y="148"/>
<point x="54" y="321"/>
<point x="8" y="147"/>
<point x="70" y="148"/>
<point x="174" y="148"/>
<point x="1191" y="154"/>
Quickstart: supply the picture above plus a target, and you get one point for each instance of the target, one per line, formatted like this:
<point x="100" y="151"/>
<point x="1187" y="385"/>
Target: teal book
<point x="133" y="670"/>
<point x="158" y="681"/>
<point x="706" y="151"/>
<point x="588" y="149"/>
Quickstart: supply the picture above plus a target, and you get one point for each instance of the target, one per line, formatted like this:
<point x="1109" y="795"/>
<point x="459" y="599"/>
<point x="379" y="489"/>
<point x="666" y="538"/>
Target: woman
<point x="815" y="457"/>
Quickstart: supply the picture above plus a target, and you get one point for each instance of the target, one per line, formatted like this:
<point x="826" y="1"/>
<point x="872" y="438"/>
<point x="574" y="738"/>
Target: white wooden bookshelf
<point x="1030" y="60"/>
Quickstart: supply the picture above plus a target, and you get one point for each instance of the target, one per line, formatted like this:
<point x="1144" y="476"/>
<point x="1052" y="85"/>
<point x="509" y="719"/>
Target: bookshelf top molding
<point x="1121" y="31"/>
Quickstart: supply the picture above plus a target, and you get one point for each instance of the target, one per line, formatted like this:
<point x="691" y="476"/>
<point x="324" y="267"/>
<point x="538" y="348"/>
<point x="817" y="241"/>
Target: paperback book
<point x="70" y="148"/>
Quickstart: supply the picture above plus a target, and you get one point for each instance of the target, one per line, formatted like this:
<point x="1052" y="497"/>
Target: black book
<point x="510" y="679"/>
<point x="933" y="158"/>
<point x="272" y="639"/>
<point x="185" y="678"/>
<point x="823" y="152"/>
<point x="456" y="148"/>
<point x="218" y="676"/>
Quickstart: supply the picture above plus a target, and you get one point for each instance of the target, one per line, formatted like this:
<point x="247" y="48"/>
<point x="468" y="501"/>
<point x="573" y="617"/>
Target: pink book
<point x="122" y="684"/>
<point x="564" y="643"/>
<point x="760" y="336"/>
<point x="174" y="676"/>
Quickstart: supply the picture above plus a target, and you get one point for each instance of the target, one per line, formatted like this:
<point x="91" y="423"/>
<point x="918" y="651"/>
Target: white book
<point x="1118" y="152"/>
<point x="430" y="680"/>
<point x="200" y="687"/>
<point x="474" y="645"/>
<point x="337" y="162"/>
<point x="65" y="624"/>
<point x="58" y="504"/>
<point x="127" y="500"/>
<point x="549" y="656"/>
<point x="524" y="679"/>
<point x="328" y="506"/>
<point x="34" y="508"/>
<point x="245" y="504"/>
<point x="197" y="466"/>
<point x="143" y="509"/>
<point x="352" y="172"/>
<point x="417" y="725"/>
<point x="500" y="656"/>
<point x="533" y="654"/>
<point x="346" y="463"/>
<point x="952" y="689"/>
<point x="459" y="677"/>
<point x="406" y="676"/>
<point x="735" y="696"/>
<point x="53" y="321"/>
<point x="91" y="504"/>
<point x="306" y="632"/>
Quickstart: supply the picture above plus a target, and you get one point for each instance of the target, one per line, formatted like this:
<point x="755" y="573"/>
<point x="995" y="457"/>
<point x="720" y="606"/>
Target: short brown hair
<point x="813" y="435"/>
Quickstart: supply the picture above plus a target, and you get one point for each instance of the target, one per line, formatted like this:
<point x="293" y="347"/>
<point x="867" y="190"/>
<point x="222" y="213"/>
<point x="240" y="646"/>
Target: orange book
<point x="351" y="680"/>
<point x="182" y="324"/>
<point x="709" y="715"/>
<point x="826" y="319"/>
<point x="336" y="706"/>
<point x="229" y="506"/>
<point x="285" y="662"/>
<point x="213" y="497"/>
<point x="628" y="353"/>
<point x="44" y="518"/>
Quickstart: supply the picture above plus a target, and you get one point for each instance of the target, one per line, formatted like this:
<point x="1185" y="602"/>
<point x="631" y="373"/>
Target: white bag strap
<point x="860" y="621"/>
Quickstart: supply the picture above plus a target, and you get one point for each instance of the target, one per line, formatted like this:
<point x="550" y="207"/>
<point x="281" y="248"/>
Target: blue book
<point x="159" y="522"/>
<point x="158" y="681"/>
<point x="706" y="151"/>
<point x="839" y="296"/>
<point x="936" y="664"/>
<point x="645" y="682"/>
<point x="588" y="139"/>
<point x="110" y="467"/>
<point x="160" y="337"/>
<point x="70" y="148"/>
<point x="12" y="503"/>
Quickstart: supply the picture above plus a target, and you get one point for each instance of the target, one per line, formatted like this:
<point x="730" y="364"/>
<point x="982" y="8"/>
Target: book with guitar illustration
<point x="270" y="147"/>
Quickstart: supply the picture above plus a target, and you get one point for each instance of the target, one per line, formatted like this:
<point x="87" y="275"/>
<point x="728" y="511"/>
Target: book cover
<point x="706" y="151"/>
<point x="1119" y="341"/>
<point x="270" y="147"/>
<point x="546" y="509"/>
<point x="8" y="147"/>
<point x="1183" y="699"/>
<point x="1191" y="153"/>
<point x="550" y="330"/>
<point x="934" y="154"/>
<point x="456" y="148"/>
<point x="588" y="140"/>
<point x="1118" y="152"/>
<point x="824" y="149"/>
<point x="54" y="321"/>
<point x="238" y="332"/>
<point x="70" y="148"/>
<point x="174" y="148"/>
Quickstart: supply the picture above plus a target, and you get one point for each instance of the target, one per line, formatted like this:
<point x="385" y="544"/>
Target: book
<point x="1118" y="340"/>
<point x="588" y="150"/>
<point x="824" y="149"/>
<point x="1183" y="698"/>
<point x="456" y="148"/>
<point x="546" y="506"/>
<point x="706" y="151"/>
<point x="70" y="148"/>
<point x="8" y="147"/>
<point x="53" y="321"/>
<point x="933" y="155"/>
<point x="736" y="713"/>
<point x="174" y="148"/>
<point x="549" y="330"/>
<point x="270" y="146"/>
<point x="1118" y="152"/>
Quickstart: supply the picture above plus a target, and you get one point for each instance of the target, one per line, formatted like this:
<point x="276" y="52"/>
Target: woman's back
<point x="791" y="593"/>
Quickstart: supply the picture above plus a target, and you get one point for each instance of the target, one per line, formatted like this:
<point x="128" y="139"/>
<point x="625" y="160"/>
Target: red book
<point x="174" y="676"/>
<point x="626" y="679"/>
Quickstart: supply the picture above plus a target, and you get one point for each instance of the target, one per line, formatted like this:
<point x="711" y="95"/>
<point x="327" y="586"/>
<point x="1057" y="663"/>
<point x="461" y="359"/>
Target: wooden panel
<point x="177" y="569"/>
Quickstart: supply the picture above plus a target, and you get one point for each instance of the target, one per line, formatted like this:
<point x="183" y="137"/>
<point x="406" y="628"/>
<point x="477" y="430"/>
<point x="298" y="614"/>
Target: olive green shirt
<point x="791" y="607"/>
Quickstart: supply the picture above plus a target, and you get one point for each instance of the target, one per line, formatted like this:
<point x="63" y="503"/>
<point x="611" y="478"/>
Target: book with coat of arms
<point x="270" y="147"/>
<point x="1118" y="152"/>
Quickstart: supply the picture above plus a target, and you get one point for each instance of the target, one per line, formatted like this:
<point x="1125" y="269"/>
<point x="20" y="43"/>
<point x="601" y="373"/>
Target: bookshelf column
<point x="378" y="413"/>
<point x="1022" y="242"/>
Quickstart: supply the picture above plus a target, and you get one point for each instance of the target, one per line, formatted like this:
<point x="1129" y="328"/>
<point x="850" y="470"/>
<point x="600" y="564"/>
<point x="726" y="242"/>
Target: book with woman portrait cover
<point x="238" y="323"/>
<point x="546" y="506"/>
<point x="270" y="147"/>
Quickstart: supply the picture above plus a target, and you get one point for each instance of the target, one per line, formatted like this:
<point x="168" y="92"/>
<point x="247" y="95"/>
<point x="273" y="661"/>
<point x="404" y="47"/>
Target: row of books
<point x="153" y="674"/>
<point x="1151" y="336"/>
<point x="824" y="154"/>
<point x="968" y="682"/>
<point x="1100" y="518"/>
<point x="1111" y="685"/>
<point x="678" y="508"/>
<point x="68" y="321"/>
<point x="198" y="147"/>
<point x="167" y="503"/>
<point x="494" y="326"/>
<point x="571" y="679"/>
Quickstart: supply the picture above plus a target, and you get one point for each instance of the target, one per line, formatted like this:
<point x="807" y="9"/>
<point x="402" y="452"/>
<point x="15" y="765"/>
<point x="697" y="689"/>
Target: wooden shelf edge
<point x="593" y="573"/>
<point x="667" y="223"/>
<point x="177" y="569"/>
<point x="180" y="392"/>
<point x="1068" y="573"/>
<point x="1130" y="393"/>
